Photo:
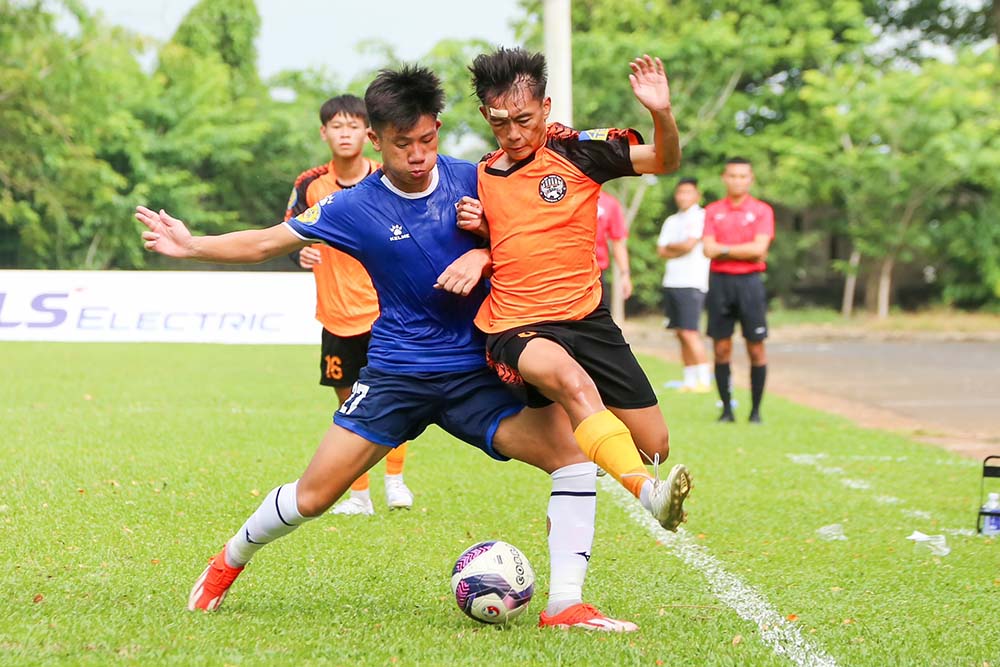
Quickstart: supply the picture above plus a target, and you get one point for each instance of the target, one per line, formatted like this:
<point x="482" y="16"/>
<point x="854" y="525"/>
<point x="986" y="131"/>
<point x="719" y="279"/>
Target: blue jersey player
<point x="426" y="360"/>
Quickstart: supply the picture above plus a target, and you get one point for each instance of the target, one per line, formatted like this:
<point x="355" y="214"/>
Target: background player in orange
<point x="346" y="304"/>
<point x="549" y="336"/>
<point x="738" y="233"/>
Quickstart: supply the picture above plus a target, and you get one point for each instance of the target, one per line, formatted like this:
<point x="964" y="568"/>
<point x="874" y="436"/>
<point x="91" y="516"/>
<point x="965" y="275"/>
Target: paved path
<point x="946" y="392"/>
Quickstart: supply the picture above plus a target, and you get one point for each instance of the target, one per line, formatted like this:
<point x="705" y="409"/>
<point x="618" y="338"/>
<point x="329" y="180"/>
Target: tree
<point x="226" y="29"/>
<point x="735" y="70"/>
<point x="891" y="146"/>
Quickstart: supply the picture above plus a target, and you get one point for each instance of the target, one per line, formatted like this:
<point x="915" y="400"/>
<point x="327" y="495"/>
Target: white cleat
<point x="354" y="505"/>
<point x="397" y="494"/>
<point x="667" y="498"/>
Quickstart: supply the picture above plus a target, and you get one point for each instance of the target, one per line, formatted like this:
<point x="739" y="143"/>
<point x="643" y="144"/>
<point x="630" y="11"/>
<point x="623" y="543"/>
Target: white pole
<point x="559" y="57"/>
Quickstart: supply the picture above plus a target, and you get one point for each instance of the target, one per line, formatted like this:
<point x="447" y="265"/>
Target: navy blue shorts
<point x="390" y="408"/>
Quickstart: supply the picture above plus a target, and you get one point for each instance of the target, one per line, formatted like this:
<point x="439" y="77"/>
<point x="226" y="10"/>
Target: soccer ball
<point x="493" y="582"/>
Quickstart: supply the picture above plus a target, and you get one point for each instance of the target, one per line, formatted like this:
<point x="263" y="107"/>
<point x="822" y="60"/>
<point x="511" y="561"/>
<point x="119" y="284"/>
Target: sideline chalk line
<point x="779" y="633"/>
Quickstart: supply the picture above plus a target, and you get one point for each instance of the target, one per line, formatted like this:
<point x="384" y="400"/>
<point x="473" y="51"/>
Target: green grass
<point x="125" y="466"/>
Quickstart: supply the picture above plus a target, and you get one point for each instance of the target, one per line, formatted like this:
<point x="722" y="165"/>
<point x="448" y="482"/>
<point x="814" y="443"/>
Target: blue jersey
<point x="404" y="241"/>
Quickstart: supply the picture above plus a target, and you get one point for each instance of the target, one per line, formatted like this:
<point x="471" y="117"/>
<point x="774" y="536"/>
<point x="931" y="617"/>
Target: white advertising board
<point x="158" y="306"/>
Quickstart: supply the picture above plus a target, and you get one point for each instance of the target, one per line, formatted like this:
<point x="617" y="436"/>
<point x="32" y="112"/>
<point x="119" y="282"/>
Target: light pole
<point x="559" y="57"/>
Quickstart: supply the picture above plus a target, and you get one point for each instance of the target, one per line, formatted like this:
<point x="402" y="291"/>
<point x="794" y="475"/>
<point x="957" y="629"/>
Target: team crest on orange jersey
<point x="552" y="188"/>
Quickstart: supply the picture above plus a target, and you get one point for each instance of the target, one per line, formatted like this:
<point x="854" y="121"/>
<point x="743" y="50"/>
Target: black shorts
<point x="342" y="358"/>
<point x="734" y="297"/>
<point x="682" y="307"/>
<point x="595" y="342"/>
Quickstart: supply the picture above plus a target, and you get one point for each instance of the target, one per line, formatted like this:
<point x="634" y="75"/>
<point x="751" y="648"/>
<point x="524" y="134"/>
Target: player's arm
<point x="169" y="236"/>
<point x="298" y="202"/>
<point x="754" y="251"/>
<point x="465" y="272"/>
<point x="649" y="83"/>
<point x="679" y="249"/>
<point x="619" y="250"/>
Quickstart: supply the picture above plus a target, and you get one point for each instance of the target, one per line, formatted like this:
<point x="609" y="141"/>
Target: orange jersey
<point x="346" y="303"/>
<point x="542" y="215"/>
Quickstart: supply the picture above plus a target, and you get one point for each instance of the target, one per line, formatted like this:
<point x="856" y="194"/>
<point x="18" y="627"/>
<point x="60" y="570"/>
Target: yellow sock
<point x="605" y="440"/>
<point x="395" y="459"/>
<point x="361" y="483"/>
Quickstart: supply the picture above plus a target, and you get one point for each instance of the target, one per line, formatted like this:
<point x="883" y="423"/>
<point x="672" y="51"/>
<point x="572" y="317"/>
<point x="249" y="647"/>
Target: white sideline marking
<point x="782" y="635"/>
<point x="818" y="461"/>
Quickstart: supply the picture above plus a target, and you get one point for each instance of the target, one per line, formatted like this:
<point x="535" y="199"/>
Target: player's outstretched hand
<point x="471" y="217"/>
<point x="309" y="257"/>
<point x="464" y="273"/>
<point x="164" y="234"/>
<point x="649" y="83"/>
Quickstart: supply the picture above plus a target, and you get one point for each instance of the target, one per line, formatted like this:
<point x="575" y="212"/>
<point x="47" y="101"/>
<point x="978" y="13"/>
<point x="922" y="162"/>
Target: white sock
<point x="690" y="376"/>
<point x="277" y="516"/>
<point x="572" y="507"/>
<point x="704" y="373"/>
<point x="644" y="491"/>
<point x="362" y="495"/>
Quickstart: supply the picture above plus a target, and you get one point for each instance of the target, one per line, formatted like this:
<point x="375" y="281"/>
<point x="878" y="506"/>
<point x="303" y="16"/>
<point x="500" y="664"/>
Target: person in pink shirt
<point x="611" y="227"/>
<point x="738" y="232"/>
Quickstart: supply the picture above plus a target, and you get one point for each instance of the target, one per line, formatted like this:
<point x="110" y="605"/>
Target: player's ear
<point x="373" y="137"/>
<point x="482" y="110"/>
<point x="546" y="107"/>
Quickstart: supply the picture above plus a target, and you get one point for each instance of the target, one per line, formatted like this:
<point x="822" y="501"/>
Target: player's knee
<point x="573" y="384"/>
<point x="663" y="445"/>
<point x="312" y="501"/>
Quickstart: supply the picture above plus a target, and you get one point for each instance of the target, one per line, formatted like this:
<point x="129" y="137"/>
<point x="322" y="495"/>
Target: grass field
<point x="125" y="466"/>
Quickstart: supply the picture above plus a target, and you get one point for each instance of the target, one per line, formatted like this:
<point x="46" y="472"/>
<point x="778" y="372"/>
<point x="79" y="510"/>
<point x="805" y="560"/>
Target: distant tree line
<point x="872" y="125"/>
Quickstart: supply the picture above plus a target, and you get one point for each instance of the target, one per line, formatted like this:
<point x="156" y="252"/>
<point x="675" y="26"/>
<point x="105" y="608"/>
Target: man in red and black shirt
<point x="738" y="232"/>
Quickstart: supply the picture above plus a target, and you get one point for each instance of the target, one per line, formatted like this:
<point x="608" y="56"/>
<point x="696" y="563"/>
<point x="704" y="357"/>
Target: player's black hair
<point x="349" y="105"/>
<point x="687" y="180"/>
<point x="495" y="74"/>
<point x="736" y="159"/>
<point x="400" y="97"/>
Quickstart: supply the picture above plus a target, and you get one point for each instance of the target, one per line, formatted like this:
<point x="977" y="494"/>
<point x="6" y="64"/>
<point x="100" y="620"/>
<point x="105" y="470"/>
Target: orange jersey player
<point x="549" y="335"/>
<point x="346" y="302"/>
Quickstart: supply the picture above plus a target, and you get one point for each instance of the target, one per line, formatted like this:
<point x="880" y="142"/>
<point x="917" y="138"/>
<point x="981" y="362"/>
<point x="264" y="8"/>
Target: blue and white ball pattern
<point x="493" y="582"/>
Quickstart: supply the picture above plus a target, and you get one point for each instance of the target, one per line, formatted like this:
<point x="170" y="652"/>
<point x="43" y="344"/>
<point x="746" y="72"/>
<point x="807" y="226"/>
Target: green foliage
<point x="227" y="30"/>
<point x="912" y="24"/>
<point x="88" y="134"/>
<point x="835" y="101"/>
<point x="892" y="146"/>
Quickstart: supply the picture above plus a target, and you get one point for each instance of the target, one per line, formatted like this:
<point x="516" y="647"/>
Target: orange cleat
<point x="213" y="584"/>
<point x="587" y="617"/>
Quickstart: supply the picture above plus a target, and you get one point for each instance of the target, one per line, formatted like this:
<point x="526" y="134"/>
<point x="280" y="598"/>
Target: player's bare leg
<point x="341" y="457"/>
<point x="602" y="435"/>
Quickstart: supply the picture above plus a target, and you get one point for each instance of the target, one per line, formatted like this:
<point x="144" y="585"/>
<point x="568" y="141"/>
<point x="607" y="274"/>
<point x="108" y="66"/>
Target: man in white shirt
<point x="685" y="282"/>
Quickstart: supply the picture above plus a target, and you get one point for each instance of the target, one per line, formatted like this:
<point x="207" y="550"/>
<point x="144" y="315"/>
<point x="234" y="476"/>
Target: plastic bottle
<point x="992" y="511"/>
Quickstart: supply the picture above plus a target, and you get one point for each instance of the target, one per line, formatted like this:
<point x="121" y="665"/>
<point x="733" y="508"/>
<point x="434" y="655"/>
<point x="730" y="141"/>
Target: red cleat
<point x="213" y="584"/>
<point x="587" y="617"/>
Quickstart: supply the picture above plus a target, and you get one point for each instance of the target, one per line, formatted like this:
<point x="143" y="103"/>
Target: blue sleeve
<point x="329" y="222"/>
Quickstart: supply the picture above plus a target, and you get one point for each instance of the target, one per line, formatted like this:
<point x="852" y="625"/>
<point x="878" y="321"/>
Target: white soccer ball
<point x="493" y="582"/>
